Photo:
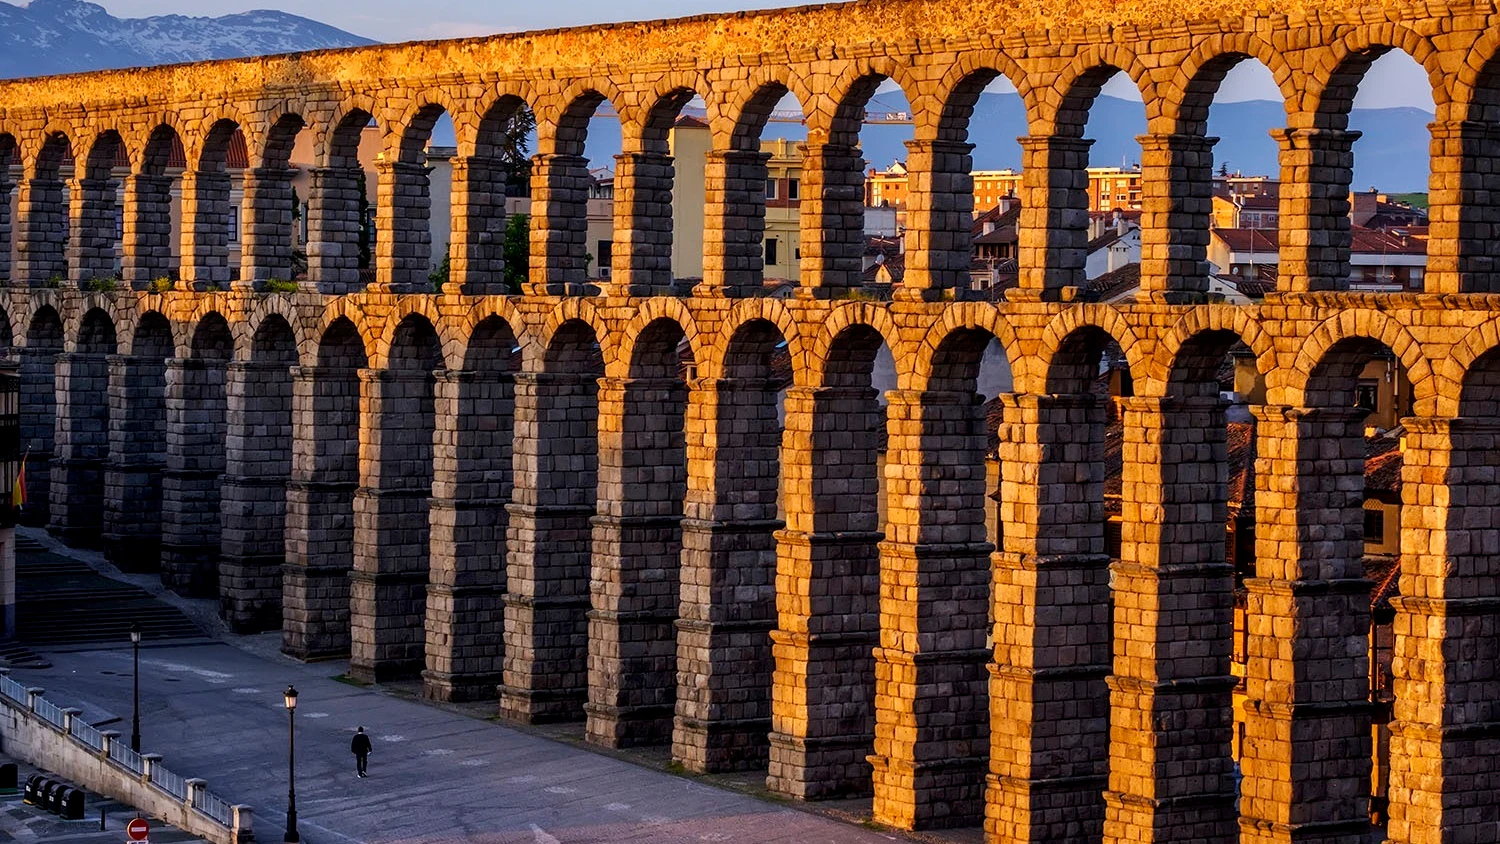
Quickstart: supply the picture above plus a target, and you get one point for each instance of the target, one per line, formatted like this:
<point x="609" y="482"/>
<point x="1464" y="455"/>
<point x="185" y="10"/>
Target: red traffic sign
<point x="138" y="829"/>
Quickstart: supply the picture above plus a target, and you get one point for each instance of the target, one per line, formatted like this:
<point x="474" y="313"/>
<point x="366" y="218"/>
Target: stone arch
<point x="275" y="140"/>
<point x="278" y="307"/>
<point x="1071" y="343"/>
<point x="855" y="314"/>
<point x="750" y="103"/>
<point x="55" y="143"/>
<point x="1069" y="100"/>
<point x="965" y="80"/>
<point x="162" y="142"/>
<point x="460" y="333"/>
<point x="1452" y="372"/>
<point x="664" y="102"/>
<point x="7" y="332"/>
<point x="562" y="128"/>
<point x="490" y="343"/>
<point x="341" y="309"/>
<point x="151" y="337"/>
<point x="211" y="338"/>
<point x="1198" y="79"/>
<point x="44" y="329"/>
<point x="95" y="334"/>
<point x="715" y="361"/>
<point x="409" y="130"/>
<point x="212" y="149"/>
<point x="493" y="117"/>
<point x="85" y="318"/>
<point x="653" y="310"/>
<point x="848" y="94"/>
<point x="273" y="336"/>
<point x="1300" y="384"/>
<point x="412" y="344"/>
<point x="1340" y="68"/>
<point x="100" y="151"/>
<point x="342" y="343"/>
<point x="566" y="317"/>
<point x="339" y="139"/>
<point x="961" y="316"/>
<point x="1195" y="323"/>
<point x="408" y="307"/>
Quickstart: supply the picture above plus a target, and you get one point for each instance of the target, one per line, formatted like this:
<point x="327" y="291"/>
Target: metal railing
<point x="13" y="690"/>
<point x="121" y="754"/>
<point x="214" y="806"/>
<point x="87" y="734"/>
<point x="169" y="782"/>
<point x="49" y="712"/>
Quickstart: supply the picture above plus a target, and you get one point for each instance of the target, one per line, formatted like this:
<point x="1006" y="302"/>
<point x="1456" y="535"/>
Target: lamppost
<point x="291" y="836"/>
<point x="135" y="719"/>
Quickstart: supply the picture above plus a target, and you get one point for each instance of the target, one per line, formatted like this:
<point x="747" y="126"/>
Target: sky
<point x="1395" y="80"/>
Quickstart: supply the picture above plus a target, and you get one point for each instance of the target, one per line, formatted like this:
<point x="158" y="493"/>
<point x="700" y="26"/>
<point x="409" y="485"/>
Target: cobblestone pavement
<point x="436" y="775"/>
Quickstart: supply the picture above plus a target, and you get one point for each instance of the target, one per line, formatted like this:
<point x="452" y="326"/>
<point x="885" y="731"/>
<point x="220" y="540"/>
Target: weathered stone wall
<point x="574" y="499"/>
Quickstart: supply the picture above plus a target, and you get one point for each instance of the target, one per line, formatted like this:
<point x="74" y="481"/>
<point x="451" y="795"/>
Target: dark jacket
<point x="361" y="745"/>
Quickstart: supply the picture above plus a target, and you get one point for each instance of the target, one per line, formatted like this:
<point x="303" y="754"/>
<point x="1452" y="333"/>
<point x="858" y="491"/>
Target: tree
<point x="513" y="148"/>
<point x="517" y="251"/>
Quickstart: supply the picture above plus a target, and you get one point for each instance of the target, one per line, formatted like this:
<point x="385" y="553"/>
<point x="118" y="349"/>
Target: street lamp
<point x="291" y="836"/>
<point x="135" y="720"/>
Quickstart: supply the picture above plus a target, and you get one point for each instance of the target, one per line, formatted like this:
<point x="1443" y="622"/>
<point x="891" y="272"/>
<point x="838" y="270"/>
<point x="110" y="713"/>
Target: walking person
<point x="360" y="747"/>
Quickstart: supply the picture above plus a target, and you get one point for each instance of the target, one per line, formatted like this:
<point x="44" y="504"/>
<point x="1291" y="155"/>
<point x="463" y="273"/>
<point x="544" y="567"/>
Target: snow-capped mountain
<point x="66" y="36"/>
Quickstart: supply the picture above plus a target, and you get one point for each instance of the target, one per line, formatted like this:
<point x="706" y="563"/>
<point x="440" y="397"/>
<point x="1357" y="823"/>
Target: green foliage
<point x="104" y="284"/>
<point x="440" y="276"/>
<point x="212" y="287"/>
<point x="276" y="285"/>
<point x="162" y="285"/>
<point x="53" y="282"/>
<point x="513" y="148"/>
<point x="517" y="251"/>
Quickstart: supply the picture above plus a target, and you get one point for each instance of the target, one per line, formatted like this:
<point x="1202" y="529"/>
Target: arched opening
<point x="732" y="515"/>
<point x="471" y="491"/>
<point x="415" y="205"/>
<point x="10" y="171"/>
<point x="753" y="232"/>
<point x="320" y="496"/>
<point x="550" y="534"/>
<point x="637" y="540"/>
<point x="823" y="721"/>
<point x="274" y="206"/>
<point x="342" y="196"/>
<point x="494" y="243"/>
<point x="1332" y="532"/>
<point x="211" y="211"/>
<point x="76" y="515"/>
<point x="571" y="228"/>
<point x="395" y="481"/>
<point x="660" y="199"/>
<point x="257" y="466"/>
<point x="94" y="197"/>
<point x="137" y="448"/>
<point x="44" y="341"/>
<point x="196" y="411"/>
<point x="41" y="256"/>
<point x="978" y="154"/>
<point x="149" y="225"/>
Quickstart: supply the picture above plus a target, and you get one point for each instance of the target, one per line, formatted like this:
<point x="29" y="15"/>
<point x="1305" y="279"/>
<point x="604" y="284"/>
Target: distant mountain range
<point x="1392" y="155"/>
<point x="67" y="36"/>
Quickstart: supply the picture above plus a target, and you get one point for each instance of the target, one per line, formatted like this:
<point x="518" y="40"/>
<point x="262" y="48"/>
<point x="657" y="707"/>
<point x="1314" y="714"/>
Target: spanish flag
<point x="18" y="492"/>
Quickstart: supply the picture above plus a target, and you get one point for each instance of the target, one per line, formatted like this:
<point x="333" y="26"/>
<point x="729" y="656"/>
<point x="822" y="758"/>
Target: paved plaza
<point x="436" y="775"/>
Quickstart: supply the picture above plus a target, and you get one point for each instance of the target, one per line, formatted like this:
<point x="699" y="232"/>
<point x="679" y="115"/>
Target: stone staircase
<point x="62" y="602"/>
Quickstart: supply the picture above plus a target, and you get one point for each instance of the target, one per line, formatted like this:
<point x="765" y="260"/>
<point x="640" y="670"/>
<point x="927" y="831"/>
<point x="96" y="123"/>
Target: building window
<point x="771" y="257"/>
<point x="606" y="247"/>
<point x="233" y="235"/>
<point x="793" y="189"/>
<point x="1366" y="396"/>
<point x="1375" y="526"/>
<point x="770" y="188"/>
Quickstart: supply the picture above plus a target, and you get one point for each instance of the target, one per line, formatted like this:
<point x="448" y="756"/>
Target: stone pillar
<point x="832" y="213"/>
<point x="476" y="249"/>
<point x="333" y="228"/>
<point x="1052" y="245"/>
<point x="190" y="482"/>
<point x="931" y="718"/>
<point x="320" y="512"/>
<point x="939" y="219"/>
<point x="38" y="401"/>
<point x="642" y="260"/>
<point x="471" y="484"/>
<point x="1177" y="203"/>
<point x="205" y="230"/>
<point x="637" y="545"/>
<point x="1445" y="739"/>
<point x="1171" y="777"/>
<point x="827" y="595"/>
<point x="1463" y="248"/>
<point x="267" y="226"/>
<point x="6" y="234"/>
<point x="1307" y="749"/>
<point x="76" y="512"/>
<point x="734" y="223"/>
<point x="1049" y="705"/>
<point x="559" y="224"/>
<point x="43" y="234"/>
<point x="146" y="249"/>
<point x="252" y="505"/>
<point x="91" y="230"/>
<point x="391" y="536"/>
<point x="403" y="230"/>
<point x="137" y="456"/>
<point x="1317" y="166"/>
<point x="728" y="576"/>
<point x="548" y="548"/>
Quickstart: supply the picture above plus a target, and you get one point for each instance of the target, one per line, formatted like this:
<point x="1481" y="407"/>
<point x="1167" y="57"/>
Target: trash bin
<point x="33" y="790"/>
<point x="72" y="804"/>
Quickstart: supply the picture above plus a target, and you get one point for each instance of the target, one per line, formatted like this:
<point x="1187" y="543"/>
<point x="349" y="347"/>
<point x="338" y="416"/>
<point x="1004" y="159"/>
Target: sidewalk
<point x="19" y="822"/>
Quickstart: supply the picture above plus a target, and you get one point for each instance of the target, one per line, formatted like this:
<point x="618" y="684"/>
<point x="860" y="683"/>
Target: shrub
<point x="277" y="285"/>
<point x="107" y="284"/>
<point x="161" y="285"/>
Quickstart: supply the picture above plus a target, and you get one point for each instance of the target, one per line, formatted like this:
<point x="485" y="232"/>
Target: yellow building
<point x="1109" y="187"/>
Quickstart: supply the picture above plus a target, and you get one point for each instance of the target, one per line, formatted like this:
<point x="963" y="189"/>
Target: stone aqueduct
<point x="537" y="499"/>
